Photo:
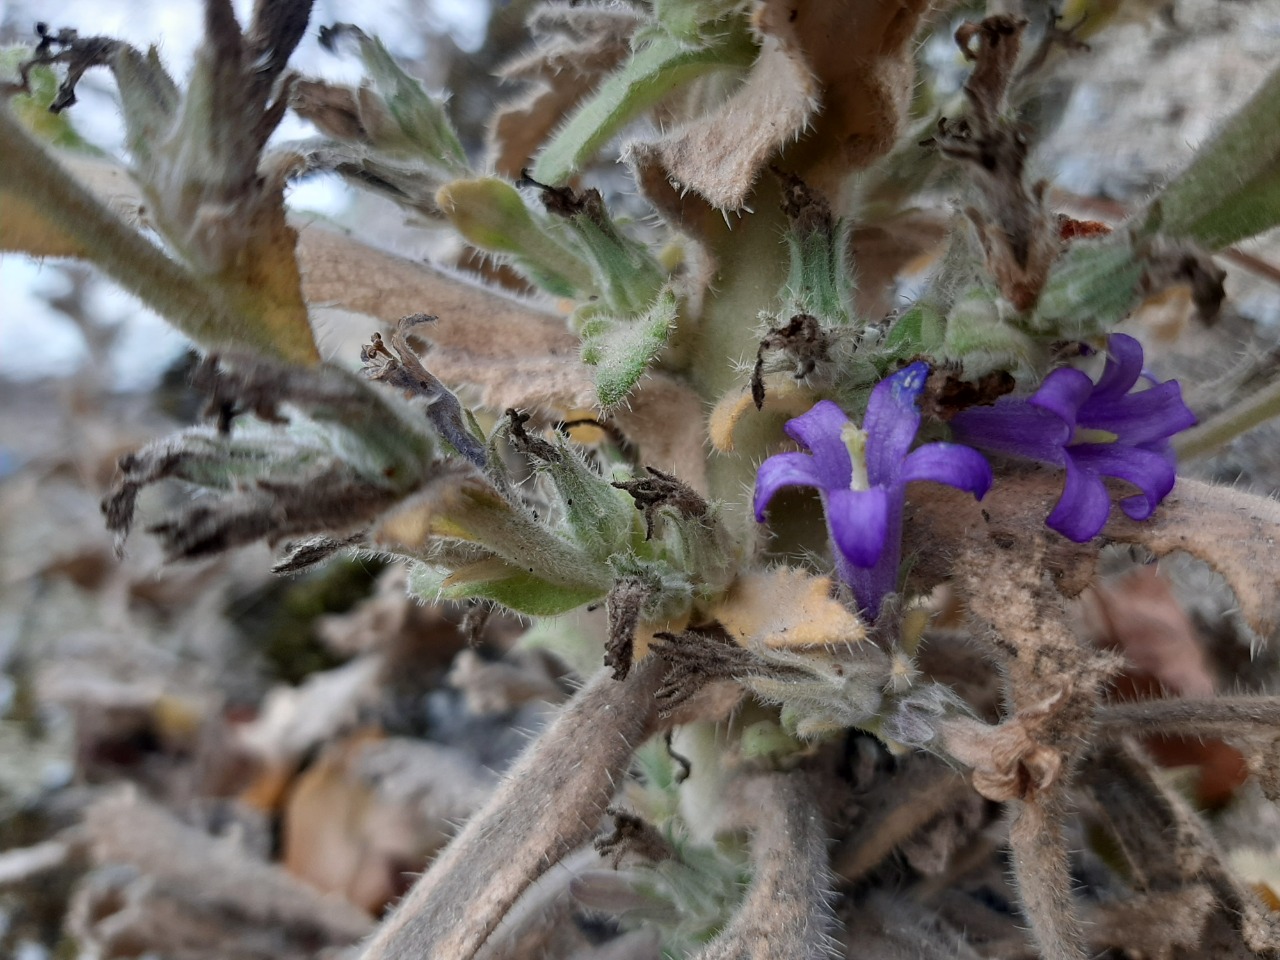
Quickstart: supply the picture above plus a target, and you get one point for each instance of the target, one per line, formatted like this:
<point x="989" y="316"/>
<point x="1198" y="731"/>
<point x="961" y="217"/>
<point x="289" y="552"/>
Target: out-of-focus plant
<point x="553" y="454"/>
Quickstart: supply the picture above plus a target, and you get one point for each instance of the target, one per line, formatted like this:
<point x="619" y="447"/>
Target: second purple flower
<point x="1092" y="430"/>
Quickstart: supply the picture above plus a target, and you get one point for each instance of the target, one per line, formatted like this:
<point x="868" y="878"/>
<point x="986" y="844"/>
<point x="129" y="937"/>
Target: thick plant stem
<point x="786" y="914"/>
<point x="551" y="803"/>
<point x="1221" y="429"/>
<point x="1041" y="864"/>
<point x="135" y="263"/>
<point x="751" y="271"/>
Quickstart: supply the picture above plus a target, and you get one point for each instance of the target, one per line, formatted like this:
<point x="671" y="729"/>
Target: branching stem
<point x="1222" y="716"/>
<point x="122" y="252"/>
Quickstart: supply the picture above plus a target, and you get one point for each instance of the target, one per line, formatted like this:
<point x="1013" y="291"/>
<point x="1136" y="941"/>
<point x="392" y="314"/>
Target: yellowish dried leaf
<point x="787" y="608"/>
<point x="784" y="399"/>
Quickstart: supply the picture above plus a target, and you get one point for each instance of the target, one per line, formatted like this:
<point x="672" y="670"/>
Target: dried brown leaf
<point x="896" y="808"/>
<point x="498" y="686"/>
<point x="1167" y="847"/>
<point x="1163" y="925"/>
<point x="860" y="53"/>
<point x="720" y="155"/>
<point x="1139" y="615"/>
<point x="204" y="884"/>
<point x="295" y="720"/>
<point x="369" y="811"/>
<point x="886" y="927"/>
<point x="510" y="353"/>
<point x="1232" y="531"/>
<point x="835" y="76"/>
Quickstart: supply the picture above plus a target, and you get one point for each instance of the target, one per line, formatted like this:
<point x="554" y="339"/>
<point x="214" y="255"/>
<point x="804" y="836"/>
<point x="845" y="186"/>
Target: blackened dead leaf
<point x="803" y="340"/>
<point x="946" y="393"/>
<point x="624" y="604"/>
<point x="400" y="367"/>
<point x="695" y="658"/>
<point x="305" y="554"/>
<point x="632" y="836"/>
<point x="663" y="490"/>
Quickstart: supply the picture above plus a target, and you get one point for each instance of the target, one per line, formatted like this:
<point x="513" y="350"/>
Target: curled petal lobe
<point x="951" y="463"/>
<point x="859" y="522"/>
<point x="893" y="417"/>
<point x="784" y="470"/>
<point x="1062" y="394"/>
<point x="1124" y="366"/>
<point x="819" y="430"/>
<point x="1082" y="510"/>
<point x="1151" y="471"/>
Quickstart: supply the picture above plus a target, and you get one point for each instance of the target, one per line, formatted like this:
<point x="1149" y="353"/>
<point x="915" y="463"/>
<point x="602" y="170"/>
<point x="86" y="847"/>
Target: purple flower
<point x="1094" y="431"/>
<point x="862" y="475"/>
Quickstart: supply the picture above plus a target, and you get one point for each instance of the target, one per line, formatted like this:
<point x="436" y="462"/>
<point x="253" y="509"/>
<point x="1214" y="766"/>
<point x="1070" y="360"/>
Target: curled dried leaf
<point x="400" y="367"/>
<point x="574" y="49"/>
<point x="1019" y="238"/>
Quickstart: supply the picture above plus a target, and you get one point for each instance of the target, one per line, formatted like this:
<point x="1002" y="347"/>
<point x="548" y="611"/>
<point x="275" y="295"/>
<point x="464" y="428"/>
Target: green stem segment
<point x="1220" y="430"/>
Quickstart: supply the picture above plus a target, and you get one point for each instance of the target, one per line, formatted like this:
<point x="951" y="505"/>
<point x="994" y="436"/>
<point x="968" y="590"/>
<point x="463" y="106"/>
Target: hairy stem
<point x="786" y="914"/>
<point x="1224" y="427"/>
<point x="895" y="810"/>
<point x="1222" y="716"/>
<point x="551" y="803"/>
<point x="749" y="275"/>
<point x="1041" y="862"/>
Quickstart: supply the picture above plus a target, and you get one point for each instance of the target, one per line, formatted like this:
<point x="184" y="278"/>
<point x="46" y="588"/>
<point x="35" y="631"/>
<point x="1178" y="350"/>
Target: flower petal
<point x="784" y="470"/>
<point x="819" y="430"/>
<point x="1063" y="393"/>
<point x="1151" y="471"/>
<point x="1014" y="427"/>
<point x="859" y="523"/>
<point x="1124" y="366"/>
<point x="951" y="463"/>
<point x="893" y="417"/>
<point x="1083" y="509"/>
<point x="1142" y="417"/>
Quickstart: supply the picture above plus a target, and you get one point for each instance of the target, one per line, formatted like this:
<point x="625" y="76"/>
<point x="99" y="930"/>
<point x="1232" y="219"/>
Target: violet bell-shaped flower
<point x="862" y="475"/>
<point x="1093" y="430"/>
